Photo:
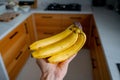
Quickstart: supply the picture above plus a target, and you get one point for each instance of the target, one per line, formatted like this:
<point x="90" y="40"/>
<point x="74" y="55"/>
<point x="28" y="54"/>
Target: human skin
<point x="53" y="71"/>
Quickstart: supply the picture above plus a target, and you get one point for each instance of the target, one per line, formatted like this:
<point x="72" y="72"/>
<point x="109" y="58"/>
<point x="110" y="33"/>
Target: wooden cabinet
<point x="47" y="24"/>
<point x="30" y="29"/>
<point x="14" y="50"/>
<point x="50" y="24"/>
<point x="100" y="68"/>
<point x="70" y="18"/>
<point x="84" y="19"/>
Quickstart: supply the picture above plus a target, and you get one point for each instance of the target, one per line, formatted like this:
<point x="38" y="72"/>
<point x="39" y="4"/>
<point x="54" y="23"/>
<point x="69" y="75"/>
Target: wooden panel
<point x="51" y="24"/>
<point x="45" y="32"/>
<point x="47" y="24"/>
<point x="12" y="43"/>
<point x="68" y="19"/>
<point x="95" y="66"/>
<point x="101" y="72"/>
<point x="18" y="62"/>
<point x="12" y="48"/>
<point x="48" y="19"/>
<point x="104" y="72"/>
<point x="84" y="19"/>
<point x="12" y="37"/>
<point x="31" y="29"/>
<point x="14" y="51"/>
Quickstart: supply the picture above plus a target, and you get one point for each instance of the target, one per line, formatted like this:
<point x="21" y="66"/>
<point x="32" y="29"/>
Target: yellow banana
<point x="63" y="55"/>
<point x="47" y="41"/>
<point x="56" y="47"/>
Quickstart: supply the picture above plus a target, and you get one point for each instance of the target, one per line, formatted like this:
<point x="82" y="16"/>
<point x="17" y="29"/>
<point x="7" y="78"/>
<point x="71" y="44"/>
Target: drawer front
<point x="12" y="43"/>
<point x="13" y="50"/>
<point x="18" y="62"/>
<point x="47" y="19"/>
<point x="11" y="38"/>
<point x="47" y="32"/>
<point x="74" y="16"/>
<point x="68" y="19"/>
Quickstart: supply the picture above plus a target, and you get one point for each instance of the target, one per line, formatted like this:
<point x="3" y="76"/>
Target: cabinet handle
<point x="12" y="36"/>
<point x="94" y="63"/>
<point x="97" y="41"/>
<point x="48" y="33"/>
<point x="75" y="18"/>
<point x="26" y="27"/>
<point x="49" y="17"/>
<point x="17" y="57"/>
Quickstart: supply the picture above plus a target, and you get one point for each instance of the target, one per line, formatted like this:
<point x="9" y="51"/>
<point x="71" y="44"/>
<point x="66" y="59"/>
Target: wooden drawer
<point x="100" y="67"/>
<point x="13" y="50"/>
<point x="12" y="37"/>
<point x="31" y="29"/>
<point x="12" y="43"/>
<point x="47" y="19"/>
<point x="49" y="29"/>
<point x="45" y="32"/>
<point x="74" y="16"/>
<point x="68" y="19"/>
<point x="18" y="62"/>
<point x="94" y="59"/>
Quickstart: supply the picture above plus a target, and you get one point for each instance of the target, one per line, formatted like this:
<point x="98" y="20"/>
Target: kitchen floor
<point x="79" y="69"/>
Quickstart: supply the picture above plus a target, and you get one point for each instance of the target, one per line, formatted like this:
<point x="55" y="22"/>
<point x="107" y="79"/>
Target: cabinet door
<point x="10" y="44"/>
<point x="47" y="24"/>
<point x="84" y="19"/>
<point x="94" y="60"/>
<point x="104" y="72"/>
<point x="44" y="32"/>
<point x="18" y="62"/>
<point x="100" y="71"/>
<point x="68" y="19"/>
<point x="30" y="29"/>
<point x="48" y="19"/>
<point x="11" y="47"/>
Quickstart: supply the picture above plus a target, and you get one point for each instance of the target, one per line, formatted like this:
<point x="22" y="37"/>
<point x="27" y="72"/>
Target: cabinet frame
<point x="14" y="47"/>
<point x="99" y="64"/>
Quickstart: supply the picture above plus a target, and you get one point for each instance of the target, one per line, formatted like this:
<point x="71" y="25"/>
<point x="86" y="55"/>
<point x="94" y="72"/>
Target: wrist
<point x="50" y="76"/>
<point x="47" y="76"/>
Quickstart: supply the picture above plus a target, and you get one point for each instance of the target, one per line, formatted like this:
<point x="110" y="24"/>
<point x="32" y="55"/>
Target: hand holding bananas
<point x="53" y="71"/>
<point x="61" y="46"/>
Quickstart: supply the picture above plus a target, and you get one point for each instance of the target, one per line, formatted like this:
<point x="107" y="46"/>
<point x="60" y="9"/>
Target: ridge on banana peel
<point x="47" y="41"/>
<point x="56" y="47"/>
<point x="63" y="55"/>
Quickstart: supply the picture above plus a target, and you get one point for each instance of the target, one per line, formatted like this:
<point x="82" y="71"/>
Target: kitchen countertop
<point x="6" y="27"/>
<point x="108" y="25"/>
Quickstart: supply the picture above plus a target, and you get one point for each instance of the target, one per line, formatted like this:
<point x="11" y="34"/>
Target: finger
<point x="41" y="62"/>
<point x="70" y="59"/>
<point x="66" y="62"/>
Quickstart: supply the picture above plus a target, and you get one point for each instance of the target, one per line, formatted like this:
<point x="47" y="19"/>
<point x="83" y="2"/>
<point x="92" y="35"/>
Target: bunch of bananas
<point x="61" y="46"/>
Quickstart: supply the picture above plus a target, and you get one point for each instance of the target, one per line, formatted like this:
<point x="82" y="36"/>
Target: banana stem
<point x="78" y="25"/>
